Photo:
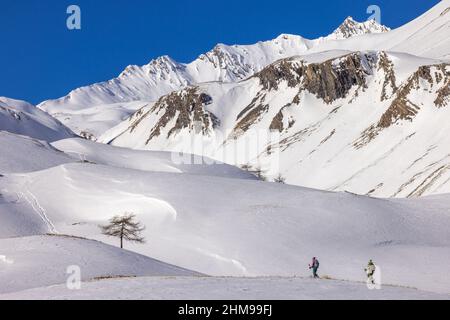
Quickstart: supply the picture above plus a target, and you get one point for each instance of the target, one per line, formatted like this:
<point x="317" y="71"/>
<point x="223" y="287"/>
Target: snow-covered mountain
<point x="396" y="103"/>
<point x="344" y="123"/>
<point x="87" y="110"/>
<point x="426" y="36"/>
<point x="20" y="117"/>
<point x="90" y="110"/>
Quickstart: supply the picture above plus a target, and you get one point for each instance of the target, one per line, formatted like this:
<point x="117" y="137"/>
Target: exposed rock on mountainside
<point x="403" y="108"/>
<point x="277" y="122"/>
<point x="186" y="108"/>
<point x="389" y="83"/>
<point x="443" y="96"/>
<point x="329" y="80"/>
<point x="333" y="79"/>
<point x="289" y="70"/>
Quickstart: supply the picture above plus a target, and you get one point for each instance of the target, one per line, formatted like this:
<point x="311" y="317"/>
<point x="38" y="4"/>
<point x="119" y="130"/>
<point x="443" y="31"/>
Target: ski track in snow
<point x="29" y="197"/>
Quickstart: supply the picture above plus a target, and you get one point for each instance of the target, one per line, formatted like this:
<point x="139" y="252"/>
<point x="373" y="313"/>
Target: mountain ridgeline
<point x="360" y="110"/>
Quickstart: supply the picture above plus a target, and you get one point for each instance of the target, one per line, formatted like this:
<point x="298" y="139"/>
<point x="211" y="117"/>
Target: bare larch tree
<point x="124" y="227"/>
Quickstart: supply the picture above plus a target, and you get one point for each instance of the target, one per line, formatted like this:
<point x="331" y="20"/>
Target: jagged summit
<point x="350" y="28"/>
<point x="162" y="62"/>
<point x="287" y="36"/>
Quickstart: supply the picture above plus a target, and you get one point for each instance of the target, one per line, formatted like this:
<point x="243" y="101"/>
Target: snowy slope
<point x="23" y="118"/>
<point x="90" y="122"/>
<point x="298" y="112"/>
<point x="25" y="154"/>
<point x="221" y="226"/>
<point x="20" y="212"/>
<point x="208" y="288"/>
<point x="146" y="160"/>
<point x="426" y="36"/>
<point x="43" y="261"/>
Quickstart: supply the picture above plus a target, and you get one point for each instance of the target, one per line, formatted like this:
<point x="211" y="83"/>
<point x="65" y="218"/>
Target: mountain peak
<point x="287" y="36"/>
<point x="349" y="19"/>
<point x="350" y="28"/>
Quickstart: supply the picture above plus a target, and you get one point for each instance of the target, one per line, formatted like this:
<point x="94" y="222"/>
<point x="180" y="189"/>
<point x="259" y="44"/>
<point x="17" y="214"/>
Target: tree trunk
<point x="121" y="237"/>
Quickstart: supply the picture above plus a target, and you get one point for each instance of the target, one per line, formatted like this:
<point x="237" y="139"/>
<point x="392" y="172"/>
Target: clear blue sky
<point x="41" y="59"/>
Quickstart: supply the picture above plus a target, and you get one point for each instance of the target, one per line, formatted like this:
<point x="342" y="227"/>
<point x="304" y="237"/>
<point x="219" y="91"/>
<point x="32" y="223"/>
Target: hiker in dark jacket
<point x="314" y="266"/>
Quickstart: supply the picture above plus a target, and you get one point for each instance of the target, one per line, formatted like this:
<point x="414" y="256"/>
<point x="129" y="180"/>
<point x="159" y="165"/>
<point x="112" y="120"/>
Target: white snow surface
<point x="44" y="260"/>
<point x="85" y="150"/>
<point x="240" y="227"/>
<point x="217" y="288"/>
<point x="25" y="154"/>
<point x="426" y="36"/>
